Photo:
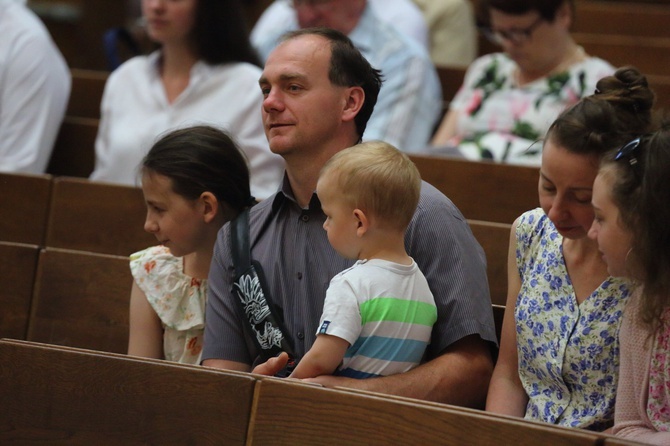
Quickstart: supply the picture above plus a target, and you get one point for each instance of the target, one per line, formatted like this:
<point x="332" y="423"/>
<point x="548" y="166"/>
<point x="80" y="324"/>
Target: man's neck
<point x="303" y="170"/>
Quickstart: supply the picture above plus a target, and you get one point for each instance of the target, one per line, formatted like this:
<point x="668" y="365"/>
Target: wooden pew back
<point x="18" y="265"/>
<point x="24" y="206"/>
<point x="86" y="93"/>
<point x="81" y="299"/>
<point x="74" y="150"/>
<point x="286" y="413"/>
<point x="494" y="238"/>
<point x="58" y="396"/>
<point x="97" y="217"/>
<point x="482" y="190"/>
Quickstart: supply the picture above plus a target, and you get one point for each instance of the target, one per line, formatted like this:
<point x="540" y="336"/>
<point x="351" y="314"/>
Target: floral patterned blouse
<point x="568" y="352"/>
<point x="179" y="301"/>
<point x="502" y="121"/>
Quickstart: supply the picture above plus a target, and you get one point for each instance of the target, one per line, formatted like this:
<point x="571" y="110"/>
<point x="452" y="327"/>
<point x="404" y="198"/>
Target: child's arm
<point x="146" y="331"/>
<point x="323" y="358"/>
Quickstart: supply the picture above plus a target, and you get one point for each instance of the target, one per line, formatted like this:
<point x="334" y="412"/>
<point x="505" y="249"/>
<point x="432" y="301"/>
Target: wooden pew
<point x="18" y="264"/>
<point x="494" y="238"/>
<point x="288" y="413"/>
<point x="74" y="150"/>
<point x="451" y="79"/>
<point x="81" y="299"/>
<point x="54" y="395"/>
<point x="86" y="93"/>
<point x="97" y="217"/>
<point x="24" y="206"/>
<point x="482" y="190"/>
<point x="650" y="55"/>
<point x="621" y="18"/>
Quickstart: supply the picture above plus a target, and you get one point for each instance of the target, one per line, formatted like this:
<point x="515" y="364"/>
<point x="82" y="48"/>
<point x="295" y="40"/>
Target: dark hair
<point x="220" y="33"/>
<point x="619" y="110"/>
<point x="199" y="159"/>
<point x="348" y="68"/>
<point x="641" y="192"/>
<point x="546" y="8"/>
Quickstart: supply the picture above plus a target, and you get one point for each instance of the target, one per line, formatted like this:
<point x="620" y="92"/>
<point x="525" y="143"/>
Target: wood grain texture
<point x="67" y="396"/>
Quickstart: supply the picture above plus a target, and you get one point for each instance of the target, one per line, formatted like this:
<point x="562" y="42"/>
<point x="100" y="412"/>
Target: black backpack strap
<point x="252" y="292"/>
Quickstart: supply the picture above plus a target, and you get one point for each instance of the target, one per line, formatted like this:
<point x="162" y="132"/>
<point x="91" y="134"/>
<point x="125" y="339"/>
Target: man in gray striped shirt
<point x="319" y="92"/>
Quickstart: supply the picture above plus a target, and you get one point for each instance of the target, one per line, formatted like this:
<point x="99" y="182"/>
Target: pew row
<point x="74" y="150"/>
<point x="289" y="413"/>
<point x="18" y="264"/>
<point x="54" y="395"/>
<point x="97" y="217"/>
<point x="86" y="93"/>
<point x="482" y="190"/>
<point x="24" y="205"/>
<point x="81" y="299"/>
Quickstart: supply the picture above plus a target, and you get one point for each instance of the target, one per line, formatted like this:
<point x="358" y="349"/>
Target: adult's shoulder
<point x="435" y="211"/>
<point x="534" y="224"/>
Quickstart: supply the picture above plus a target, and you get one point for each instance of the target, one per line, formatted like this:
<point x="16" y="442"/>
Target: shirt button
<point x="304" y="217"/>
<point x="298" y="275"/>
<point x="301" y="335"/>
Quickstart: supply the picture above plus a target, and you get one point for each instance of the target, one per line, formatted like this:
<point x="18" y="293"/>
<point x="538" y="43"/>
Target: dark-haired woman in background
<point x="204" y="72"/>
<point x="509" y="99"/>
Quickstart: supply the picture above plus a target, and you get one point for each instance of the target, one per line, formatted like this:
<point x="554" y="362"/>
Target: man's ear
<point x="362" y="221"/>
<point x="353" y="103"/>
<point x="210" y="206"/>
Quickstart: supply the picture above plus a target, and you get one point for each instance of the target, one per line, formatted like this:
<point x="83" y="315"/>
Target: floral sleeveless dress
<point x="179" y="301"/>
<point x="568" y="352"/>
<point x="502" y="121"/>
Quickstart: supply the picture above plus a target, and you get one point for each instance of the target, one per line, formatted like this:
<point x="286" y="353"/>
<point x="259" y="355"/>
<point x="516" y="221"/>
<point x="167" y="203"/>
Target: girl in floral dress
<point x="509" y="99"/>
<point x="632" y="228"/>
<point x="559" y="350"/>
<point x="194" y="180"/>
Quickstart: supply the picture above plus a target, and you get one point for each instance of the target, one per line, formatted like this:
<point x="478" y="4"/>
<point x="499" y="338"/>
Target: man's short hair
<point x="348" y="68"/>
<point x="379" y="179"/>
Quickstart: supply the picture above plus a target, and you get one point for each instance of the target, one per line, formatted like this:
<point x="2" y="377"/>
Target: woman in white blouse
<point x="204" y="72"/>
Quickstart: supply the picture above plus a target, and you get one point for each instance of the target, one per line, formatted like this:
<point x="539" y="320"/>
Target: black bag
<point x="252" y="292"/>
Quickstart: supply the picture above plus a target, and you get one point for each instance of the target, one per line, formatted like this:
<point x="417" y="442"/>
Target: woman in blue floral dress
<point x="509" y="99"/>
<point x="559" y="350"/>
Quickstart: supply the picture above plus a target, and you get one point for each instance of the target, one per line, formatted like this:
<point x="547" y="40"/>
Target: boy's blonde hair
<point x="379" y="179"/>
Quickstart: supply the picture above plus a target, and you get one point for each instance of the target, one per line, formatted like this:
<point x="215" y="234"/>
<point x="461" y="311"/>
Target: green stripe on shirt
<point x="398" y="310"/>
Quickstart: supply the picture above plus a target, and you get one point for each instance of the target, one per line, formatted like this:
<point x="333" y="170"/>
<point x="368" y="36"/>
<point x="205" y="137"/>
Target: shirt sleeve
<point x="341" y="314"/>
<point x="33" y="98"/>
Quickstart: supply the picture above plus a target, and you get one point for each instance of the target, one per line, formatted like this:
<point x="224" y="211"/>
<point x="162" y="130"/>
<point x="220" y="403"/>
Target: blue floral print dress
<point x="568" y="352"/>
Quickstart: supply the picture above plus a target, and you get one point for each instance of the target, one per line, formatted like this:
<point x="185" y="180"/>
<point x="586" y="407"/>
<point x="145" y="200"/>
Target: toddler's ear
<point x="363" y="222"/>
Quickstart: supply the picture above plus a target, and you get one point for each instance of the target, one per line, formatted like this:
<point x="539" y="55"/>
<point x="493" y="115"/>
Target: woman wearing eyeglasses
<point x="509" y="99"/>
<point x="632" y="227"/>
<point x="559" y="349"/>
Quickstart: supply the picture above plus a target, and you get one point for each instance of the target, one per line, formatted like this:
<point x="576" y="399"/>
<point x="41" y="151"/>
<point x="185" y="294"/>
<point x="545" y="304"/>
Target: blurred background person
<point x="410" y="100"/>
<point x="204" y="72"/>
<point x="34" y="90"/>
<point x="509" y="99"/>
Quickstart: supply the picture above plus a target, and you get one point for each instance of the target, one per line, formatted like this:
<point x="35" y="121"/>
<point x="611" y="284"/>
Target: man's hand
<point x="272" y="366"/>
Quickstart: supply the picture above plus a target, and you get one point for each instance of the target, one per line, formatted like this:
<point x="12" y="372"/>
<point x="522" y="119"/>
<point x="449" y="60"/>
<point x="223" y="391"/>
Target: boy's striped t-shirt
<point x="385" y="311"/>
